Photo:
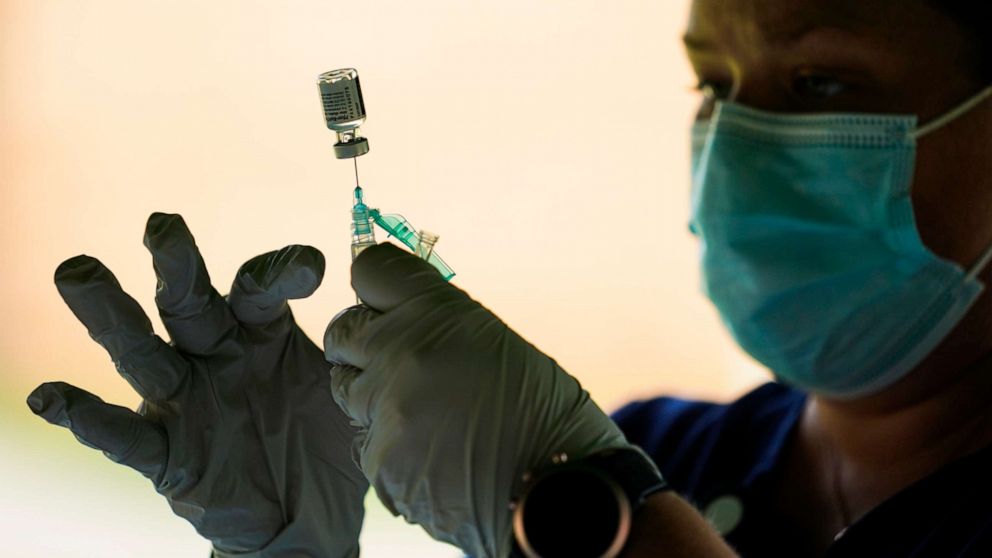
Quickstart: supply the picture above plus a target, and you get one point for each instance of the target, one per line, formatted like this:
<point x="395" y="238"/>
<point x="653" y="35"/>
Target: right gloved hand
<point x="238" y="429"/>
<point x="454" y="405"/>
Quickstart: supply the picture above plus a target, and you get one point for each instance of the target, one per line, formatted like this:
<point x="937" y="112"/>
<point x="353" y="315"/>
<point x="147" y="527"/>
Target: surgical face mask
<point x="810" y="250"/>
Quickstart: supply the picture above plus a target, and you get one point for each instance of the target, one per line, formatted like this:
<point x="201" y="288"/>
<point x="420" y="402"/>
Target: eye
<point x="816" y="86"/>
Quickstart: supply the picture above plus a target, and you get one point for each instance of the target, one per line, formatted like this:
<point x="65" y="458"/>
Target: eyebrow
<point x="791" y="36"/>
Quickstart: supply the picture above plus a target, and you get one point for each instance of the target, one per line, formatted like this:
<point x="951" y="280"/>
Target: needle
<point x="355" y="159"/>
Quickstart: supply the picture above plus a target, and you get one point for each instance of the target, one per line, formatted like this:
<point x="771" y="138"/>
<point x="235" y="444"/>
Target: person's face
<point x="884" y="56"/>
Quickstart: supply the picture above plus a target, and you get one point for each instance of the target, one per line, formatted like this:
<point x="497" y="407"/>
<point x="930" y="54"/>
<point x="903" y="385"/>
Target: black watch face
<point x="574" y="513"/>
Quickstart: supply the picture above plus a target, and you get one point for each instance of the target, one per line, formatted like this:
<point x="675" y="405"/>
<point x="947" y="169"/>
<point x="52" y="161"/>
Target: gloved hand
<point x="238" y="429"/>
<point x="454" y="405"/>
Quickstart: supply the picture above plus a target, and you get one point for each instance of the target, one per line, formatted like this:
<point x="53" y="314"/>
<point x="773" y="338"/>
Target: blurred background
<point x="545" y="141"/>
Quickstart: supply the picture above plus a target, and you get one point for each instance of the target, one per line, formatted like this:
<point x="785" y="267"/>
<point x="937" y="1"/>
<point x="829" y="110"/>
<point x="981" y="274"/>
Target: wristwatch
<point x="582" y="508"/>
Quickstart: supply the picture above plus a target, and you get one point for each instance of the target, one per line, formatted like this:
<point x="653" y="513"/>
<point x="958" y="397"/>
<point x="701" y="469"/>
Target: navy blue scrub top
<point x="719" y="456"/>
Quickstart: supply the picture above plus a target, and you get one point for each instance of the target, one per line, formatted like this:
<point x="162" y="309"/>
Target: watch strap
<point x="632" y="469"/>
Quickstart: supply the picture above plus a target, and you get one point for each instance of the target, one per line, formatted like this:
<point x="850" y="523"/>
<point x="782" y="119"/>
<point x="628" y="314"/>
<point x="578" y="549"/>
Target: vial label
<point x="342" y="101"/>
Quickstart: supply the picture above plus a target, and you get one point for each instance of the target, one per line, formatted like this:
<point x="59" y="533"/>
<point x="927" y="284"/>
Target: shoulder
<point x="698" y="444"/>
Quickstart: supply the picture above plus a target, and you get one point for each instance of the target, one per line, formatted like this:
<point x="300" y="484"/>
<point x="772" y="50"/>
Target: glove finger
<point x="385" y="276"/>
<point x="264" y="284"/>
<point x="116" y="321"/>
<point x="351" y="337"/>
<point x="121" y="434"/>
<point x="196" y="316"/>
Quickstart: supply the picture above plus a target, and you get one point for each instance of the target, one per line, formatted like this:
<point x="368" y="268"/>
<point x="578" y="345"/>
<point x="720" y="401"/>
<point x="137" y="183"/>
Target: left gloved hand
<point x="237" y="428"/>
<point x="455" y="406"/>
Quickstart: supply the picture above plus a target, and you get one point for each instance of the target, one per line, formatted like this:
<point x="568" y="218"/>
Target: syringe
<point x="362" y="235"/>
<point x="344" y="112"/>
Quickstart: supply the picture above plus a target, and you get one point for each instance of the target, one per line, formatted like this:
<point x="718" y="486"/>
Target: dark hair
<point x="975" y="18"/>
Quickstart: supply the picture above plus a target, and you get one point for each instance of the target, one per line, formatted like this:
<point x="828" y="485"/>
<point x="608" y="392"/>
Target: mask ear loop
<point x="980" y="264"/>
<point x="953" y="113"/>
<point x="936" y="123"/>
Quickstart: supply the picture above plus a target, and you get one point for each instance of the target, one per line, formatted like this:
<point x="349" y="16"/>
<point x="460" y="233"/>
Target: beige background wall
<point x="545" y="141"/>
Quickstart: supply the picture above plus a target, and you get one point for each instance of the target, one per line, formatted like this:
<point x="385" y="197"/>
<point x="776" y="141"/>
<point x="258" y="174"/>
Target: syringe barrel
<point x="362" y="235"/>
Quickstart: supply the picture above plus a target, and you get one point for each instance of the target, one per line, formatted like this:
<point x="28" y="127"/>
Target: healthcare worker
<point x="841" y="194"/>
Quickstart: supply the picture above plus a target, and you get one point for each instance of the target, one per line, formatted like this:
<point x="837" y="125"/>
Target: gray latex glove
<point x="237" y="429"/>
<point x="455" y="406"/>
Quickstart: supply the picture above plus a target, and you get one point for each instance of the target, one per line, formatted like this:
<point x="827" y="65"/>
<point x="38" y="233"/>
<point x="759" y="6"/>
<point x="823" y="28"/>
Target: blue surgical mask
<point x="810" y="250"/>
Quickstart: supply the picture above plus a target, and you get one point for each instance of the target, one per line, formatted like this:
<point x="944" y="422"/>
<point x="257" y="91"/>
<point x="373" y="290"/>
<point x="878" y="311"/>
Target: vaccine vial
<point x="344" y="111"/>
